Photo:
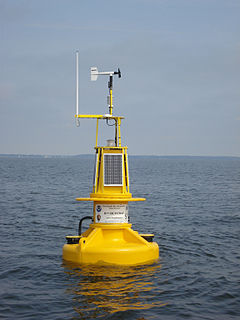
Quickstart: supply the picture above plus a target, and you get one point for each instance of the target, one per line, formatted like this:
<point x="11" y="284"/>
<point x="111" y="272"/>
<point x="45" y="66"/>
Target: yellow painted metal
<point x="126" y="168"/>
<point x="111" y="102"/>
<point x="119" y="131"/>
<point x="98" y="116"/>
<point x="123" y="199"/>
<point x="97" y="133"/>
<point x="111" y="244"/>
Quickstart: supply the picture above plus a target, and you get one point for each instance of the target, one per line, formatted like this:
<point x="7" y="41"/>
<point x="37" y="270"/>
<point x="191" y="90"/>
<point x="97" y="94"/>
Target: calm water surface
<point x="193" y="207"/>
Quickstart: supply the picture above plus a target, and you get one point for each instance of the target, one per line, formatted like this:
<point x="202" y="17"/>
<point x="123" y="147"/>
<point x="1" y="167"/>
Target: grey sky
<point x="180" y="61"/>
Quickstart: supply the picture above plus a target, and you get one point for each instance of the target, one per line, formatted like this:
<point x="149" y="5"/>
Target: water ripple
<point x="192" y="207"/>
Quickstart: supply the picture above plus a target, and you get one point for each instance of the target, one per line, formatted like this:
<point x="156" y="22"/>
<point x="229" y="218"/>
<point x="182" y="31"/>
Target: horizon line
<point x="132" y="155"/>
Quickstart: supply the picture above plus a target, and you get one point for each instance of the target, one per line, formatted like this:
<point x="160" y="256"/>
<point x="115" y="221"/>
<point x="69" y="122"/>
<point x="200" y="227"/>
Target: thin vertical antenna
<point x="77" y="91"/>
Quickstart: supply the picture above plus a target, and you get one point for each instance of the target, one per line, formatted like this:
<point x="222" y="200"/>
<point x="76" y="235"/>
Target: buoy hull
<point x="111" y="244"/>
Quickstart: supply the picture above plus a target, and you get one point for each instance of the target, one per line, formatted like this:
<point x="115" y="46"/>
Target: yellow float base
<point x="110" y="244"/>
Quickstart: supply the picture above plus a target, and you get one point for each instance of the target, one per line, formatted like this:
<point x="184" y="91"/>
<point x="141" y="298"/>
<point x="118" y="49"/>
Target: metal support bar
<point x="96" y="133"/>
<point x="110" y="102"/>
<point x="119" y="132"/>
<point x="116" y="133"/>
<point x="99" y="169"/>
<point x="126" y="170"/>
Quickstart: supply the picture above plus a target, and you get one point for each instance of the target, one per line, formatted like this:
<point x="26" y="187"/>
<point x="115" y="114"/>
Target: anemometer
<point x="94" y="75"/>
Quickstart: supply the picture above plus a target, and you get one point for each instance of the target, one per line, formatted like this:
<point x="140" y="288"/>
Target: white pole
<point x="77" y="89"/>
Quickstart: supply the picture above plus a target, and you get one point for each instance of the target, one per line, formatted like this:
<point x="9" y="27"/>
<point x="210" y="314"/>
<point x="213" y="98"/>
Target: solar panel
<point x="113" y="169"/>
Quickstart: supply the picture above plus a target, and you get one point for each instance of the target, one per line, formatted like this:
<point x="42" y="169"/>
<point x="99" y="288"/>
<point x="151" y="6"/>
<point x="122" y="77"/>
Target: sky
<point x="180" y="85"/>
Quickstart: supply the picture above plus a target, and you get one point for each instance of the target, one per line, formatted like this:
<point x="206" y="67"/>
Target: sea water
<point x="192" y="207"/>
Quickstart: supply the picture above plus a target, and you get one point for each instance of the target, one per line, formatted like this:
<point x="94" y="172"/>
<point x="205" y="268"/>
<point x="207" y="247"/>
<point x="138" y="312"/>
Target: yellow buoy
<point x="110" y="238"/>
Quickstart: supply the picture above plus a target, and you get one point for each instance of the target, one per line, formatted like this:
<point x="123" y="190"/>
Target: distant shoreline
<point x="132" y="156"/>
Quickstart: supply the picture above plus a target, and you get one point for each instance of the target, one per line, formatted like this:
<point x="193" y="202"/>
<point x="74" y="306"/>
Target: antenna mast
<point x="77" y="91"/>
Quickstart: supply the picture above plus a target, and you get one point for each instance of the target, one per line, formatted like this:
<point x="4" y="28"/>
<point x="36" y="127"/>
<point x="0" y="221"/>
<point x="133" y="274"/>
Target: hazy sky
<point x="180" y="85"/>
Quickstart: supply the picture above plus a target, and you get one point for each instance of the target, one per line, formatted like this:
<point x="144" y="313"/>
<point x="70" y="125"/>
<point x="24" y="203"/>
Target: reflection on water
<point x="108" y="289"/>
